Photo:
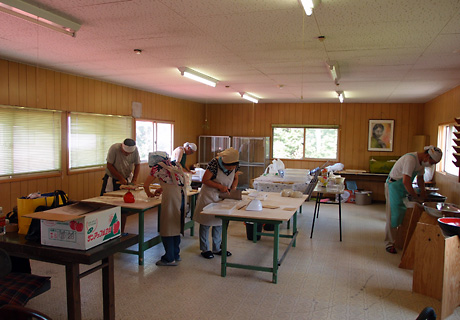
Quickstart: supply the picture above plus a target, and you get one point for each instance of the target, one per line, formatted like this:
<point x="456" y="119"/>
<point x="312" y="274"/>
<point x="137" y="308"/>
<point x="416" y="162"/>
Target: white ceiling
<point x="388" y="51"/>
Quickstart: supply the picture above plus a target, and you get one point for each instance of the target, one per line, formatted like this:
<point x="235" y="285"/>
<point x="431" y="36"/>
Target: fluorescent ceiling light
<point x="308" y="6"/>
<point x="249" y="97"/>
<point x="341" y="96"/>
<point x="334" y="70"/>
<point x="42" y="17"/>
<point x="197" y="76"/>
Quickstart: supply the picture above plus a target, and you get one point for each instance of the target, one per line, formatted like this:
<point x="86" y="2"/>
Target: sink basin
<point x="441" y="209"/>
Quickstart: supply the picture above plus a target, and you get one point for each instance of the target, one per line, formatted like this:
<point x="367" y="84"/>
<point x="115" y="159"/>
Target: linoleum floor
<point x="321" y="278"/>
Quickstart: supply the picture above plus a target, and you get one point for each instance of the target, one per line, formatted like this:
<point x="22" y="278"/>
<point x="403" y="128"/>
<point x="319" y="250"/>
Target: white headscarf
<point x="190" y="145"/>
<point x="434" y="152"/>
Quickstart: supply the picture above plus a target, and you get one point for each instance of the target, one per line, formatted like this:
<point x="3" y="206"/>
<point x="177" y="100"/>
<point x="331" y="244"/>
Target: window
<point x="30" y="140"/>
<point x="91" y="135"/>
<point x="154" y="136"/>
<point x="445" y="142"/>
<point x="302" y="142"/>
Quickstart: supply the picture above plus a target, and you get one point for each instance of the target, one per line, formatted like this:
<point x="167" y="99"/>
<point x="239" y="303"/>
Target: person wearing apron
<point x="123" y="165"/>
<point x="180" y="154"/>
<point x="220" y="176"/>
<point x="399" y="185"/>
<point x="172" y="182"/>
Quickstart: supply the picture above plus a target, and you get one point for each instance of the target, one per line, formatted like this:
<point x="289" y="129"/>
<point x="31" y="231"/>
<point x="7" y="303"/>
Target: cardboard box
<point x="80" y="226"/>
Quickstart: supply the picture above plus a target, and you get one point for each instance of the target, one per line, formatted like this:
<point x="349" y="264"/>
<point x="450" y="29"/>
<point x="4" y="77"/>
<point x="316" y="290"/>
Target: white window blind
<point x="91" y="135"/>
<point x="30" y="140"/>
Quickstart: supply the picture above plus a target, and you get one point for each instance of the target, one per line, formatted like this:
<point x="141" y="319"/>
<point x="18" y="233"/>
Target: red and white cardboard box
<point x="82" y="225"/>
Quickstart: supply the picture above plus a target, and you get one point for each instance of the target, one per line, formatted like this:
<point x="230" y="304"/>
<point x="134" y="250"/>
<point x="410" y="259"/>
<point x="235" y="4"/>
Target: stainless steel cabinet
<point x="254" y="157"/>
<point x="210" y="146"/>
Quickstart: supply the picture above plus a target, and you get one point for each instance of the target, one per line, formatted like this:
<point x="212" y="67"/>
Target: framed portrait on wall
<point x="381" y="135"/>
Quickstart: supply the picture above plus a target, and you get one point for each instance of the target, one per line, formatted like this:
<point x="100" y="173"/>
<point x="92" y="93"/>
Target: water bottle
<point x="2" y="222"/>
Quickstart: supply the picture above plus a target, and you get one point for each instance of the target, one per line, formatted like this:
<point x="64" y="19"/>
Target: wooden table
<point x="287" y="208"/>
<point x="320" y="191"/>
<point x="140" y="206"/>
<point x="16" y="245"/>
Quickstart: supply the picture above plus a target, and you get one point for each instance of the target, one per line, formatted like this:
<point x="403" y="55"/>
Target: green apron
<point x="397" y="192"/>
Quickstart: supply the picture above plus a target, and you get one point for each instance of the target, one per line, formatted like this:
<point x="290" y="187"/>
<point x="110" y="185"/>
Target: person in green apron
<point x="399" y="185"/>
<point x="172" y="182"/>
<point x="180" y="154"/>
<point x="221" y="176"/>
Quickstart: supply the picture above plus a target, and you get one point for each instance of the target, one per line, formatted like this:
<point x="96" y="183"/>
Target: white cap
<point x="190" y="145"/>
<point x="129" y="145"/>
<point x="434" y="152"/>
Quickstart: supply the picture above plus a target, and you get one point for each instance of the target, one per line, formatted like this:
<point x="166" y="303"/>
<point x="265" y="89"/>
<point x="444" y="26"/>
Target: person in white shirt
<point x="399" y="185"/>
<point x="180" y="154"/>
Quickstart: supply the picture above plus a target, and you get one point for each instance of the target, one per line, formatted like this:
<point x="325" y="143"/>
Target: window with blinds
<point x="91" y="135"/>
<point x="30" y="141"/>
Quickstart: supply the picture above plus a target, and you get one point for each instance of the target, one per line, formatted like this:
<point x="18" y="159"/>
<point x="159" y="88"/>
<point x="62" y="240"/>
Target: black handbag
<point x="60" y="199"/>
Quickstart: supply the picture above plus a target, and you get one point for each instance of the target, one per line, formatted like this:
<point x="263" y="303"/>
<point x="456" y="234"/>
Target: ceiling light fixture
<point x="137" y="51"/>
<point x="334" y="70"/>
<point x="197" y="76"/>
<point x="341" y="96"/>
<point x="249" y="97"/>
<point x="42" y="17"/>
<point x="308" y="6"/>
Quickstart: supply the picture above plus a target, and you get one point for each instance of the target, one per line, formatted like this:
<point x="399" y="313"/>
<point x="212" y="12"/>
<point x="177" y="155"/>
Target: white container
<point x="198" y="175"/>
<point x="223" y="207"/>
<point x="363" y="197"/>
<point x="79" y="226"/>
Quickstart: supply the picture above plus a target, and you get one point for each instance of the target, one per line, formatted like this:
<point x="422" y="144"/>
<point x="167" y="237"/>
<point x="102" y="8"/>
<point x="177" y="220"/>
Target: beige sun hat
<point x="229" y="156"/>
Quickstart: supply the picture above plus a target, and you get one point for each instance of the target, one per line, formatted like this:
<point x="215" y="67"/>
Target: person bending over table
<point x="220" y="176"/>
<point x="180" y="154"/>
<point x="172" y="183"/>
<point x="399" y="184"/>
<point x="123" y="164"/>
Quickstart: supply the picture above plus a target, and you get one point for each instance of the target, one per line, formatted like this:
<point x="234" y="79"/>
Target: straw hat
<point x="229" y="156"/>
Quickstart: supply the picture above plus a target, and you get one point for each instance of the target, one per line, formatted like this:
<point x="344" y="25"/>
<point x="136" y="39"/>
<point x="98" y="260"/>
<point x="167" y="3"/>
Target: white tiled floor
<point x="322" y="278"/>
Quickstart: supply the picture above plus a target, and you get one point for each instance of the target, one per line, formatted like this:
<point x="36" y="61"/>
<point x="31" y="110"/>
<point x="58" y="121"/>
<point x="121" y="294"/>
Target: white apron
<point x="209" y="195"/>
<point x="171" y="217"/>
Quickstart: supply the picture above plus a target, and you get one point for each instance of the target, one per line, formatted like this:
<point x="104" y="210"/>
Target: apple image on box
<point x="73" y="224"/>
<point x="116" y="227"/>
<point x="79" y="227"/>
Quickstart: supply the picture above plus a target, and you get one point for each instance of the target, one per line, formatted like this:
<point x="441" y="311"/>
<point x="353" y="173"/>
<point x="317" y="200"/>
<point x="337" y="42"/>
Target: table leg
<point x="223" y="271"/>
<point x="294" y="228"/>
<point x="142" y="236"/>
<point x="276" y="242"/>
<point x="192" y="210"/>
<point x="254" y="232"/>
<point x="72" y="275"/>
<point x="340" y="216"/>
<point x="318" y="198"/>
<point x="108" y="288"/>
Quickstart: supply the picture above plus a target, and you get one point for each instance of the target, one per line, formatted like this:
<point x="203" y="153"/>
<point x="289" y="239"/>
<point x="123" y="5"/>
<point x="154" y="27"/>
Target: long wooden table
<point x="16" y="245"/>
<point x="287" y="209"/>
<point x="140" y="206"/>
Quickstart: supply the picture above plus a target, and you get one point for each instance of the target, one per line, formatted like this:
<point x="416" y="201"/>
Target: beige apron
<point x="171" y="218"/>
<point x="209" y="195"/>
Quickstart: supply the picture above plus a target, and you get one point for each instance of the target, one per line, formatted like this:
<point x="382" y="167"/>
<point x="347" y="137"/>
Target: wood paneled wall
<point x="443" y="110"/>
<point x="352" y="119"/>
<point x="29" y="86"/>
